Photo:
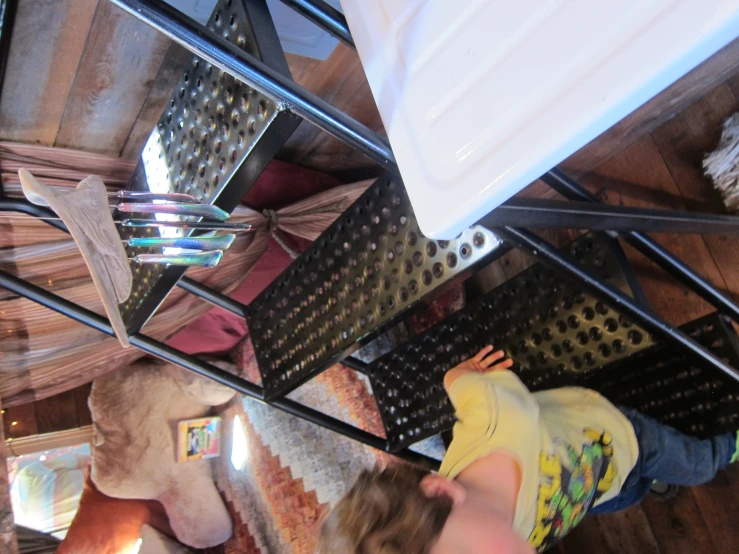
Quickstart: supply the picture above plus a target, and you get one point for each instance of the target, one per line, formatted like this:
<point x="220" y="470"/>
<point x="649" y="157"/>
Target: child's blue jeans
<point x="668" y="456"/>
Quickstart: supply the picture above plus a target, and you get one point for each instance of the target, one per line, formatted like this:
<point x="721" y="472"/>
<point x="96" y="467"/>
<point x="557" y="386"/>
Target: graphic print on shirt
<point x="569" y="487"/>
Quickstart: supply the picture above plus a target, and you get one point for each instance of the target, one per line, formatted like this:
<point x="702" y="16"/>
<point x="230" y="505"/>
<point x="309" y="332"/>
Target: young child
<point x="522" y="470"/>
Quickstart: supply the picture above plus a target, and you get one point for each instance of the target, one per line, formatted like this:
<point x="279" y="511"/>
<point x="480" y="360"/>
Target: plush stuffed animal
<point x="135" y="412"/>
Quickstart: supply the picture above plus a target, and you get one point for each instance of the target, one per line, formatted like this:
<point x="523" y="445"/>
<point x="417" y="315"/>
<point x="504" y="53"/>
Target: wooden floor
<point x="663" y="169"/>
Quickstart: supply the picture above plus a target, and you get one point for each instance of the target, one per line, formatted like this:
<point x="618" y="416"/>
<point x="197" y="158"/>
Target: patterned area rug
<point x="295" y="470"/>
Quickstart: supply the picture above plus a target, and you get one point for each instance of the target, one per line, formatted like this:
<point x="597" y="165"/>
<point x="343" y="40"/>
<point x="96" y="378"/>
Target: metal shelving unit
<point x="237" y="103"/>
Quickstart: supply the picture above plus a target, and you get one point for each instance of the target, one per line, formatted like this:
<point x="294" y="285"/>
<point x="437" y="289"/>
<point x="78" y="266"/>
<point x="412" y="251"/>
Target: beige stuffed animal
<point x="135" y="412"/>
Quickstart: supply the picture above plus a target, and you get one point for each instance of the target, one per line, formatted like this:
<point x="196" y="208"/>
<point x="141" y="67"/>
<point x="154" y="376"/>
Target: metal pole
<point x="541" y="249"/>
<point x="228" y="57"/>
<point x="538" y="213"/>
<point x="23" y="206"/>
<point x="212" y="296"/>
<point x="169" y="354"/>
<point x="355" y="364"/>
<point x="663" y="258"/>
<point x="325" y="16"/>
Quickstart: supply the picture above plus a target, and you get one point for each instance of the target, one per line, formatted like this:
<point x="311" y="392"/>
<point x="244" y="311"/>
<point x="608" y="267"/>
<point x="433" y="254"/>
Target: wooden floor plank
<point x="683" y="143"/>
<point x="639" y="177"/>
<point x="678" y="525"/>
<point x="586" y="537"/>
<point x="340" y="80"/>
<point x="48" y="40"/>
<point x="671" y="101"/>
<point x="629" y="531"/>
<point x="118" y="68"/>
<point x="717" y="502"/>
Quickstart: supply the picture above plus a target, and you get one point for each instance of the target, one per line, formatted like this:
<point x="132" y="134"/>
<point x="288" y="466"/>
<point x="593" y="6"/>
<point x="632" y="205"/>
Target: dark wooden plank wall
<point x="57" y="413"/>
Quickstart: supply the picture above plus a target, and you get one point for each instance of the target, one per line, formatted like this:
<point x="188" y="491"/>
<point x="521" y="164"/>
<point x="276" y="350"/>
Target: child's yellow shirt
<point x="574" y="448"/>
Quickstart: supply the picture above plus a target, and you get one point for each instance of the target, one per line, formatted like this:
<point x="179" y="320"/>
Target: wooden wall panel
<point x="48" y="39"/>
<point x="57" y="413"/>
<point x="60" y="412"/>
<point x="169" y="73"/>
<point x="81" y="395"/>
<point x="24" y="415"/>
<point x="118" y="68"/>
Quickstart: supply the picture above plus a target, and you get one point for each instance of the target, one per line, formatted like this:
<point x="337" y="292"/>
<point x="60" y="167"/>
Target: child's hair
<point x="385" y="512"/>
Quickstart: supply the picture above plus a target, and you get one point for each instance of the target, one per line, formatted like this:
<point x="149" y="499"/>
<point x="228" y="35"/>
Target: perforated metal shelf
<point x="552" y="329"/>
<point x="363" y="272"/>
<point x="213" y="140"/>
<point x="676" y="388"/>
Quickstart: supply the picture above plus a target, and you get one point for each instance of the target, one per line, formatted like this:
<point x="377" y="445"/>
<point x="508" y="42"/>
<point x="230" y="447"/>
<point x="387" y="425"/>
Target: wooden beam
<point x="47" y="44"/>
<point x="118" y="68"/>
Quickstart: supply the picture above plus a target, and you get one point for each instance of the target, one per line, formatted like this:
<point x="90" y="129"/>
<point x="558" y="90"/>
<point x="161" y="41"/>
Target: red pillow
<point x="218" y="331"/>
<point x="281" y="184"/>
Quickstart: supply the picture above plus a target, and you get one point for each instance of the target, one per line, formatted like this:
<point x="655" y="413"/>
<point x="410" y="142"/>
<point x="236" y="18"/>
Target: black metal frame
<point x="219" y="52"/>
<point x="8" y="9"/>
<point x="649" y="248"/>
<point x="267" y="47"/>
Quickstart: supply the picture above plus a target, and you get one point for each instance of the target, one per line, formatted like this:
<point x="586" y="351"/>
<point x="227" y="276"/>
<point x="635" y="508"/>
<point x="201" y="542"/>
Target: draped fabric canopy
<point x="44" y="353"/>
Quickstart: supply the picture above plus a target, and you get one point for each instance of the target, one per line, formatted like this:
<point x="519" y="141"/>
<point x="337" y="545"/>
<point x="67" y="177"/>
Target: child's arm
<point x="483" y="362"/>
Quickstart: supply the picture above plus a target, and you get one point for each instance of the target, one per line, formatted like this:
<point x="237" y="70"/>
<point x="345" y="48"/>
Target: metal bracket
<point x="325" y="16"/>
<point x="538" y="213"/>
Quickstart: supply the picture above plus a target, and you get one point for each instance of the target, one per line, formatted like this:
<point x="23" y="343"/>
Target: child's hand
<point x="482" y="362"/>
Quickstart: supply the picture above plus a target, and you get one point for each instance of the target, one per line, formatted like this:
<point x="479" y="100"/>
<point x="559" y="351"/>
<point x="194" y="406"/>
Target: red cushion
<point x="280" y="185"/>
<point x="218" y="331"/>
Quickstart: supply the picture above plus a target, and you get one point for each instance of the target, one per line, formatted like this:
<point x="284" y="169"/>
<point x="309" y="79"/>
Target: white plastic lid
<point x="480" y="98"/>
